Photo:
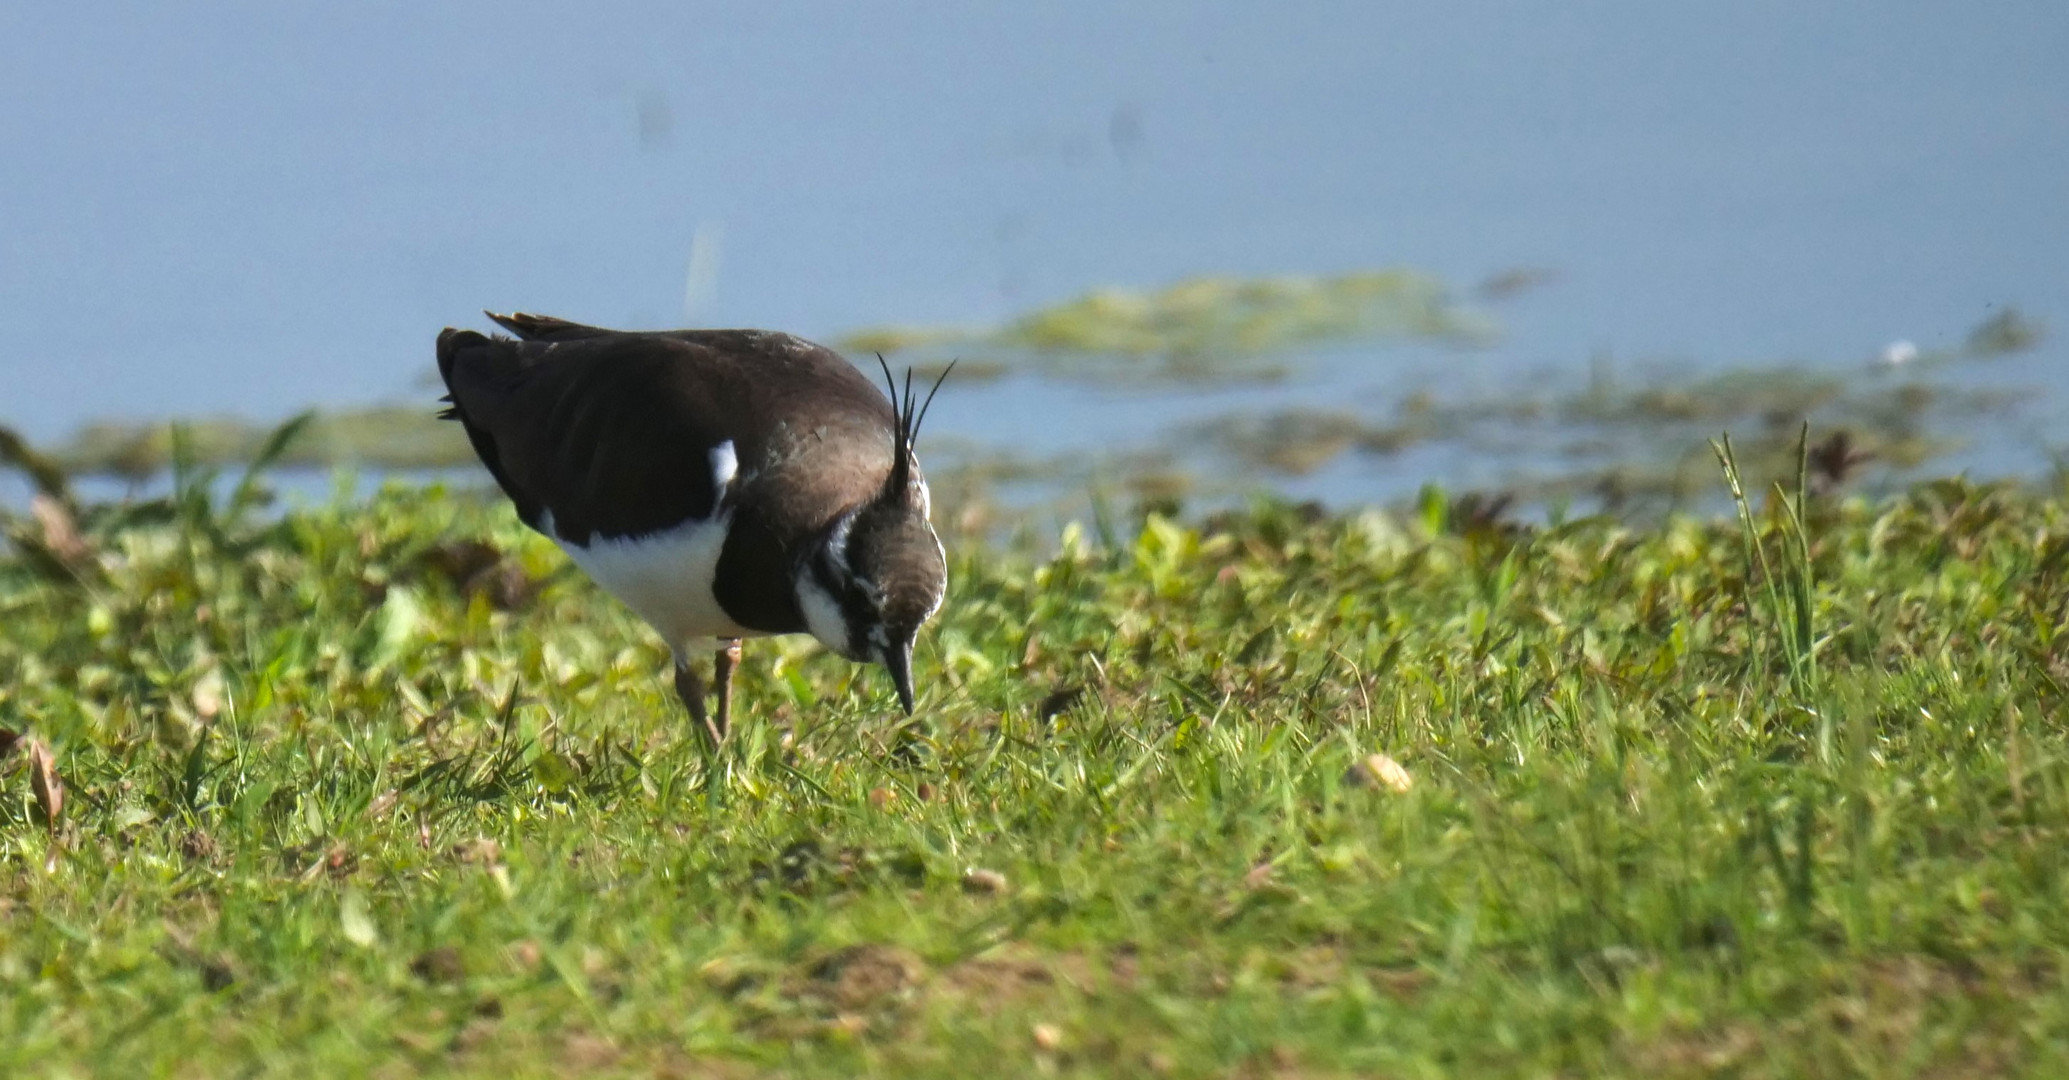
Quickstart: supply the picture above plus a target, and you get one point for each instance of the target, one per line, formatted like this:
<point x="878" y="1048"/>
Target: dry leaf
<point x="1047" y="1036"/>
<point x="60" y="534"/>
<point x="43" y="780"/>
<point x="1379" y="770"/>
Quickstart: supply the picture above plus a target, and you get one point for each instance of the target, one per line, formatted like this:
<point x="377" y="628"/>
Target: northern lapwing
<point x="721" y="483"/>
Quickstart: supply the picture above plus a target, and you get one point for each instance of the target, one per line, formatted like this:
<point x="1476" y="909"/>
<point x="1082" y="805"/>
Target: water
<point x="239" y="208"/>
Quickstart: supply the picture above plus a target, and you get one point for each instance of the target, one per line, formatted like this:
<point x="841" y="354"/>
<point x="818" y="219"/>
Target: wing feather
<point x="612" y="433"/>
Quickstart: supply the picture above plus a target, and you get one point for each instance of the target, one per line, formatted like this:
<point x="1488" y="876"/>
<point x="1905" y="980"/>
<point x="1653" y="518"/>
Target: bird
<point x="722" y="484"/>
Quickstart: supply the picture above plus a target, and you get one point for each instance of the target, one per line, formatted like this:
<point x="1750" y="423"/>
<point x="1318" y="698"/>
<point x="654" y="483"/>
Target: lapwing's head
<point x="880" y="573"/>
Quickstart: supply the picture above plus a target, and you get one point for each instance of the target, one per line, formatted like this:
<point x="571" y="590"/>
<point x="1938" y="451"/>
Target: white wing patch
<point x="725" y="465"/>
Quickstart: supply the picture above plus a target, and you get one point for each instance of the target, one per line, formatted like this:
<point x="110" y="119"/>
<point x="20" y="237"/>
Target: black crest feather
<point x="908" y="411"/>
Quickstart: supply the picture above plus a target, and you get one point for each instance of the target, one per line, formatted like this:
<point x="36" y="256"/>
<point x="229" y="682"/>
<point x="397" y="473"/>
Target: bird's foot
<point x="690" y="689"/>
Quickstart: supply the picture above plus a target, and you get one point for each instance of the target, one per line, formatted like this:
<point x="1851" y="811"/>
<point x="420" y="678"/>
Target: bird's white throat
<point x="821" y="609"/>
<point x="822" y="612"/>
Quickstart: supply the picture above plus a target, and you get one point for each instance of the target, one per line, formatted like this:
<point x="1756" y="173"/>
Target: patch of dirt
<point x="1313" y="968"/>
<point x="1013" y="973"/>
<point x="1400" y="982"/>
<point x="1895" y="1010"/>
<point x="583" y="1053"/>
<point x="1713" y="1051"/>
<point x="442" y="965"/>
<point x="1278" y="1063"/>
<point x="864" y="977"/>
<point x="850" y="993"/>
<point x="1124" y="965"/>
<point x="480" y="851"/>
<point x="475" y="1035"/>
<point x="198" y="846"/>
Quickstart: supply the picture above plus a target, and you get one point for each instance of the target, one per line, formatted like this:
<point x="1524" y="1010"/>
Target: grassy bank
<point x="383" y="789"/>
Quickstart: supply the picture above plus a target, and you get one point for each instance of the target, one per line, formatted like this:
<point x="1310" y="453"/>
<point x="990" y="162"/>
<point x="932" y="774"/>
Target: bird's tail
<point x="453" y="345"/>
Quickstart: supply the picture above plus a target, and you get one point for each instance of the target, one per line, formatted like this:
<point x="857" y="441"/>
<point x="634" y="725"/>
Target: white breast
<point x="666" y="577"/>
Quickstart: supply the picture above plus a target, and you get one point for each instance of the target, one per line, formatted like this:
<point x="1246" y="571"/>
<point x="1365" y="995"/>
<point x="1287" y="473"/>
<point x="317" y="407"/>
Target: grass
<point x="382" y="789"/>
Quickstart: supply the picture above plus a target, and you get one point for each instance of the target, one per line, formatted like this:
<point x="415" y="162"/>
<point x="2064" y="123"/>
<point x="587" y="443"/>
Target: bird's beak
<point x="898" y="661"/>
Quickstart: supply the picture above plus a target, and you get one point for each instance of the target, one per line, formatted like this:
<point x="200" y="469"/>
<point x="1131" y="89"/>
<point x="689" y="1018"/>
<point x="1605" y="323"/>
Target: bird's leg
<point x="690" y="689"/>
<point x="722" y="673"/>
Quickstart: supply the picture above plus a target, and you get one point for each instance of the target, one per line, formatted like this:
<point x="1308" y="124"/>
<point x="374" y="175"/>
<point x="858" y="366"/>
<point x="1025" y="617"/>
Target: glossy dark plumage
<point x="610" y="433"/>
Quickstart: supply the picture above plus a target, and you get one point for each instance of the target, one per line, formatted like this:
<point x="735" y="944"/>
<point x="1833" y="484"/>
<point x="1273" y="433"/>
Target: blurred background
<point x="1183" y="253"/>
